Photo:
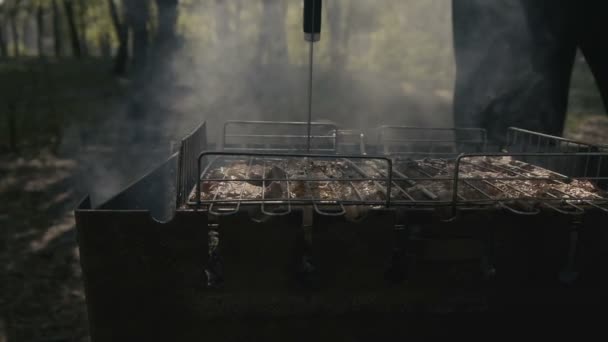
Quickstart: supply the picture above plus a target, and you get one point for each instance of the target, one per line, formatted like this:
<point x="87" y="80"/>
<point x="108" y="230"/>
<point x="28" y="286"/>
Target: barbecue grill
<point x="266" y="229"/>
<point x="313" y="231"/>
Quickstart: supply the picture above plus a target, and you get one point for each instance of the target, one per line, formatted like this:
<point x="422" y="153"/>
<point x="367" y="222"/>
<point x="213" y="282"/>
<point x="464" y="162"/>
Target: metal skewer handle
<point x="312" y="33"/>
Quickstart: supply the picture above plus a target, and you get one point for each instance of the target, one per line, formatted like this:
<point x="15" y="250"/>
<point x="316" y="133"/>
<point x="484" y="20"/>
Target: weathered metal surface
<point x="145" y="278"/>
<point x="137" y="271"/>
<point x="308" y="274"/>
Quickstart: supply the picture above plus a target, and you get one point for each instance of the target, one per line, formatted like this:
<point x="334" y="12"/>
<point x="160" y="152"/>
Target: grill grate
<point x="422" y="168"/>
<point x="469" y="181"/>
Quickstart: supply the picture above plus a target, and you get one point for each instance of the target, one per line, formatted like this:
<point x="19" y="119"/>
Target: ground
<point x="42" y="180"/>
<point x="41" y="291"/>
<point x="42" y="298"/>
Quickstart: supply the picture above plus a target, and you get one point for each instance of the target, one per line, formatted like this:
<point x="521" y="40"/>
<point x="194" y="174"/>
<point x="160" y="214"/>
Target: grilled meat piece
<point x="276" y="172"/>
<point x="256" y="172"/>
<point x="276" y="190"/>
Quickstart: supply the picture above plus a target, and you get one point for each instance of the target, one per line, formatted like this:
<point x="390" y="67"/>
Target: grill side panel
<point x="154" y="192"/>
<point x="139" y="274"/>
<point x="145" y="279"/>
<point x="187" y="176"/>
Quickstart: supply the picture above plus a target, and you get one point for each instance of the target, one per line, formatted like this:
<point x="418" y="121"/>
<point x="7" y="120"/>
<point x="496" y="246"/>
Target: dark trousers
<point x="514" y="60"/>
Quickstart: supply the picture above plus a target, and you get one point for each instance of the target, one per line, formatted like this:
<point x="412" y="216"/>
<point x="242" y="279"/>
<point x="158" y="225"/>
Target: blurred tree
<point x="273" y="43"/>
<point x="137" y="16"/>
<point x="339" y="15"/>
<point x="57" y="32"/>
<point x="122" y="33"/>
<point x="167" y="21"/>
<point x="40" y="29"/>
<point x="137" y="19"/>
<point x="222" y="24"/>
<point x="105" y="47"/>
<point x="74" y="36"/>
<point x="3" y="47"/>
<point x="13" y="13"/>
<point x="82" y="26"/>
<point x="28" y="9"/>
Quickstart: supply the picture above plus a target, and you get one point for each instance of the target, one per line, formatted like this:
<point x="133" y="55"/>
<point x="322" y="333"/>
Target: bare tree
<point x="136" y="19"/>
<point x="122" y="32"/>
<point x="28" y="11"/>
<point x="222" y="24"/>
<point x="57" y="34"/>
<point x="137" y="16"/>
<point x="82" y="27"/>
<point x="104" y="45"/>
<point x="74" y="37"/>
<point x="167" y="21"/>
<point x="12" y="14"/>
<point x="273" y="42"/>
<point x="40" y="29"/>
<point x="339" y="18"/>
<point x="3" y="47"/>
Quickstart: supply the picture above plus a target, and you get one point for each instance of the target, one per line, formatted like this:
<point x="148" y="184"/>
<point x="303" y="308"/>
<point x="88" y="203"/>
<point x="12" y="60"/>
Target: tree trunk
<point x="40" y="30"/>
<point x="137" y="16"/>
<point x="122" y="32"/>
<point x="273" y="42"/>
<point x="104" y="46"/>
<point x="58" y="39"/>
<point x="115" y="18"/>
<point x="14" y="32"/>
<point x="167" y="21"/>
<point x="74" y="37"/>
<point x="26" y="31"/>
<point x="82" y="13"/>
<point x="339" y="18"/>
<point x="222" y="24"/>
<point x="3" y="47"/>
<point x="334" y="18"/>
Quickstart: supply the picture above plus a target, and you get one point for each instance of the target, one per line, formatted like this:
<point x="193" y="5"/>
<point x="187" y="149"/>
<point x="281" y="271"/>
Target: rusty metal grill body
<point x="341" y="249"/>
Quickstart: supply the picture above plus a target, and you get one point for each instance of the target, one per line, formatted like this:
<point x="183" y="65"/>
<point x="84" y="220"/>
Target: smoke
<point x="386" y="62"/>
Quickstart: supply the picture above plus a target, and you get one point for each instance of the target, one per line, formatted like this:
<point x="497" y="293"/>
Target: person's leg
<point x="552" y="28"/>
<point x="591" y="37"/>
<point x="513" y="61"/>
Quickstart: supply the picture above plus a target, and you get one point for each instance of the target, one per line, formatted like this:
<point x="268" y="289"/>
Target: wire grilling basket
<point x="418" y="169"/>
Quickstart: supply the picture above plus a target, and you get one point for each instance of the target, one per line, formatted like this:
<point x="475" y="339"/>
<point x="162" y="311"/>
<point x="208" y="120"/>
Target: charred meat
<point x="480" y="179"/>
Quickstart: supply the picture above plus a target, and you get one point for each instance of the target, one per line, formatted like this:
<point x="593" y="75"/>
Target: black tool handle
<point x="312" y="18"/>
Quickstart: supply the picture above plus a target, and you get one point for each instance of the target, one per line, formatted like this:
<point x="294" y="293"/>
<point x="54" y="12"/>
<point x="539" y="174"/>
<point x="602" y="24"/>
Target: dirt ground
<point x="41" y="291"/>
<point x="593" y="129"/>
